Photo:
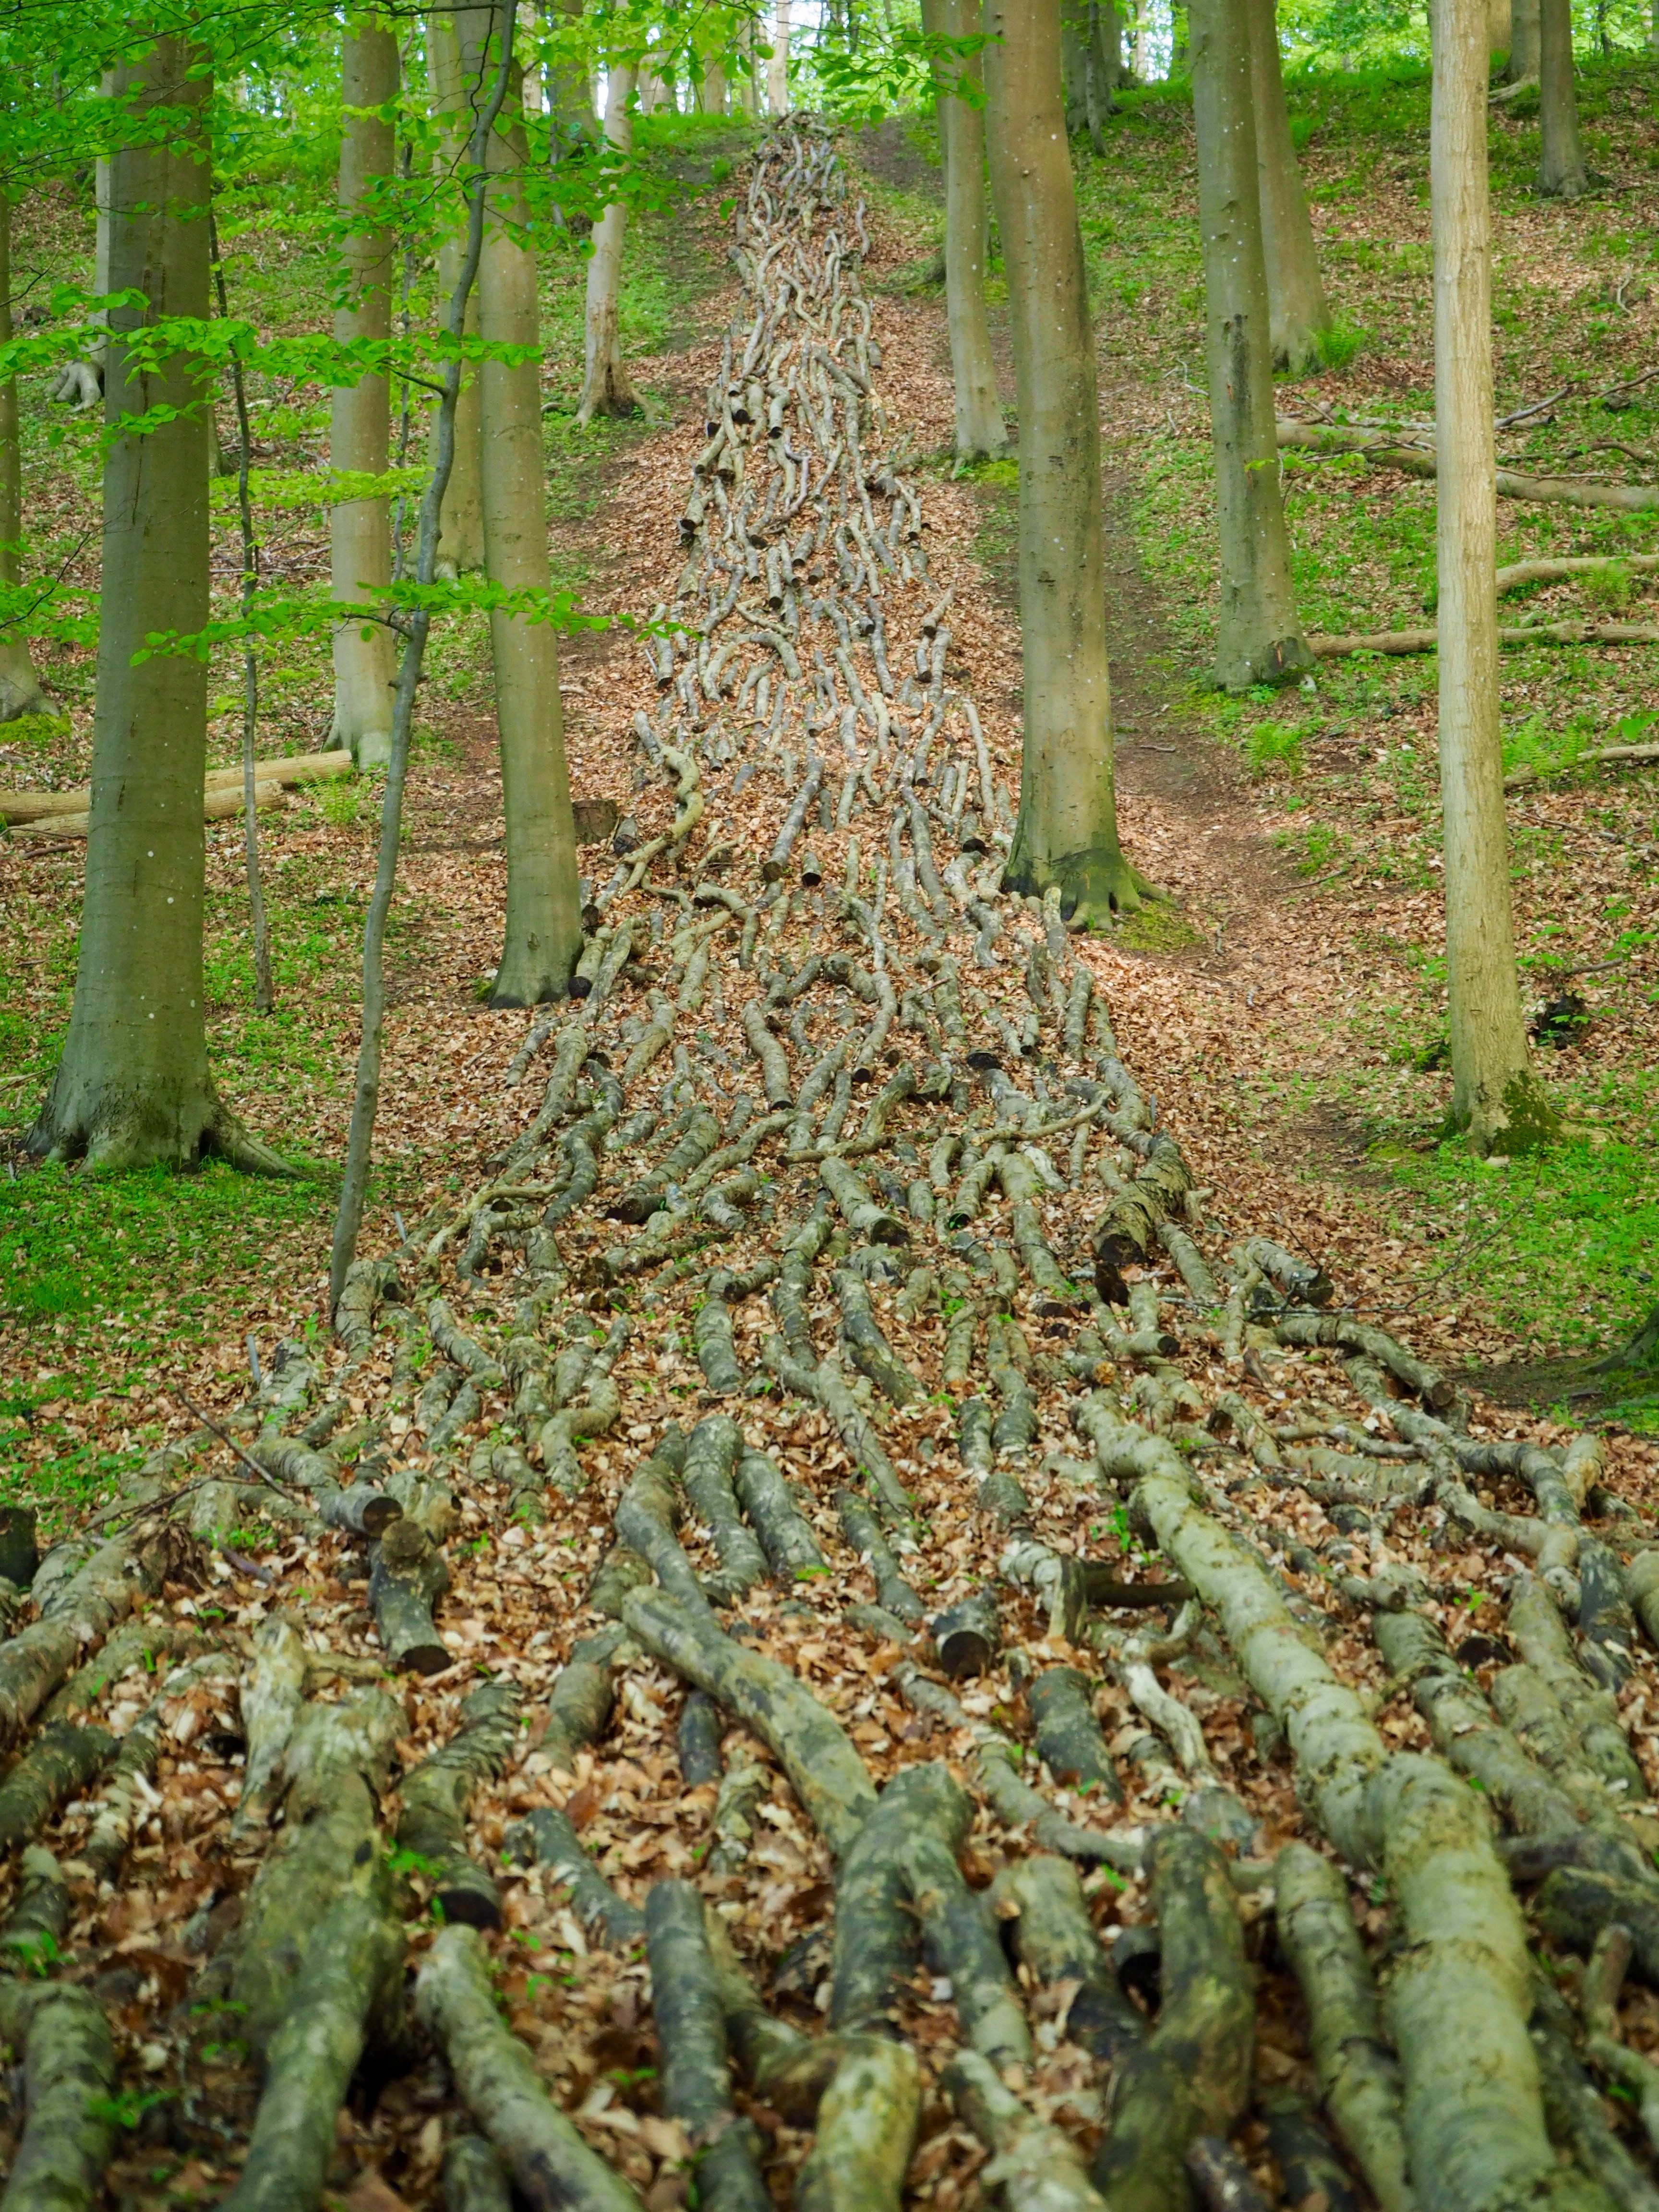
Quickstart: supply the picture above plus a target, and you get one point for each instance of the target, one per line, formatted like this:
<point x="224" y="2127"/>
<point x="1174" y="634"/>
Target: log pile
<point x="822" y="1634"/>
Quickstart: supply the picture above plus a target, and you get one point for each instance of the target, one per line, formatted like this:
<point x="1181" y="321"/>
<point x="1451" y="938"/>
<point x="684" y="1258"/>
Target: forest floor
<point x="1298" y="834"/>
<point x="1280" y="1006"/>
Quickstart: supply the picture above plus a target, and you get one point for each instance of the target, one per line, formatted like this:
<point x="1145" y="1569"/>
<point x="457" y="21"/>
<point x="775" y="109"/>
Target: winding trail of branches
<point x="856" y="1574"/>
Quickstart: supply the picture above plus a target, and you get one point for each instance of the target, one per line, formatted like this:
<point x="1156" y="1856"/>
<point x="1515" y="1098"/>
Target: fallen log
<point x="407" y="1575"/>
<point x="1192" y="2076"/>
<point x="552" y="2168"/>
<point x="1358" y="2074"/>
<point x="1459" y="2000"/>
<point x="62" y="1760"/>
<point x="827" y="1775"/>
<point x="437" y="1795"/>
<point x="350" y="1984"/>
<point x="1038" y="2167"/>
<point x="66" y="813"/>
<point x="866" y="2130"/>
<point x="103" y="1591"/>
<point x="1044" y="1916"/>
<point x="696" y="2064"/>
<point x="1571" y="631"/>
<point x="69" y="2084"/>
<point x="272" y="1695"/>
<point x="1420" y="461"/>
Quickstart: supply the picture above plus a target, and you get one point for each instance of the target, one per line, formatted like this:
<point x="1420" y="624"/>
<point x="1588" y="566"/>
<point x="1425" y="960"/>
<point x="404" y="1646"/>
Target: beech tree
<point x="980" y="429"/>
<point x="1525" y="29"/>
<point x="133" y="1084"/>
<point x="606" y="388"/>
<point x="1561" y="170"/>
<point x="360" y="423"/>
<point x="1495" y="1096"/>
<point x="1067" y="831"/>
<point x="1297" y="315"/>
<point x="1258" y="638"/>
<point x="20" y="687"/>
<point x="777" y="69"/>
<point x="543" y="935"/>
<point x="460" y="543"/>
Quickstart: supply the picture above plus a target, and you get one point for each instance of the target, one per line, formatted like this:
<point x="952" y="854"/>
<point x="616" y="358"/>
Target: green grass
<point x="107" y="1284"/>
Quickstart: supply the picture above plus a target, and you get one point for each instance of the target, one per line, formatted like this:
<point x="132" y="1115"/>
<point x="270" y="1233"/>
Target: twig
<point x="225" y="1438"/>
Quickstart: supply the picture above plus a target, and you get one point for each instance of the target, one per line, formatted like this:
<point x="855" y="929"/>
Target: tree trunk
<point x="777" y="69"/>
<point x="1297" y="311"/>
<point x="711" y="89"/>
<point x="543" y="906"/>
<point x="360" y="426"/>
<point x="1258" y="638"/>
<point x="1521" y="67"/>
<point x="1561" y="172"/>
<point x="569" y="94"/>
<point x="20" y="688"/>
<point x="980" y="428"/>
<point x="133" y="1084"/>
<point x="1494" y="1095"/>
<point x="1500" y="28"/>
<point x="1074" y="61"/>
<point x="744" y="43"/>
<point x="461" y="540"/>
<point x="1066" y="834"/>
<point x="606" y="388"/>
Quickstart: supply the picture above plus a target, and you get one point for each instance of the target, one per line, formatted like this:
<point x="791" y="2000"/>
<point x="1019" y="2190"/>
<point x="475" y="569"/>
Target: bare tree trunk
<point x="1495" y="1096"/>
<point x="569" y="94"/>
<point x="1561" y="171"/>
<point x="980" y="427"/>
<point x="543" y="905"/>
<point x="1524" y="31"/>
<point x="133" y="1084"/>
<point x="777" y="69"/>
<point x="1297" y="312"/>
<point x="360" y="426"/>
<point x="366" y="1094"/>
<point x="20" y="687"/>
<point x="605" y="387"/>
<point x="1500" y="28"/>
<point x="1258" y="638"/>
<point x="460" y="543"/>
<point x="265" y="996"/>
<point x="711" y="89"/>
<point x="748" y="100"/>
<point x="1066" y="834"/>
<point x="1074" y="61"/>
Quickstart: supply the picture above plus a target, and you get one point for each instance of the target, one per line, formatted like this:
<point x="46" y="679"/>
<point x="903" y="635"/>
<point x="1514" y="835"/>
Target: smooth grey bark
<point x="1258" y="637"/>
<point x="1521" y="67"/>
<point x="460" y="546"/>
<point x="980" y="429"/>
<point x="366" y="1096"/>
<point x="1561" y="171"/>
<point x="1066" y="833"/>
<point x="20" y="687"/>
<point x="605" y="387"/>
<point x="359" y="420"/>
<point x="1296" y="310"/>
<point x="709" y="95"/>
<point x="542" y="936"/>
<point x="133" y="1085"/>
<point x="1495" y="1096"/>
<point x="777" y="69"/>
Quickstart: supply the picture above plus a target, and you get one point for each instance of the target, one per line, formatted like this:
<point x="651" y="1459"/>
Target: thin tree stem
<point x="264" y="997"/>
<point x="354" y="1187"/>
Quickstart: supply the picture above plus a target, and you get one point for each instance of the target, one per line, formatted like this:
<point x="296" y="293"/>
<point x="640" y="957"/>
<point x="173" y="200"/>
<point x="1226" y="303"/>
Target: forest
<point x="933" y="728"/>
